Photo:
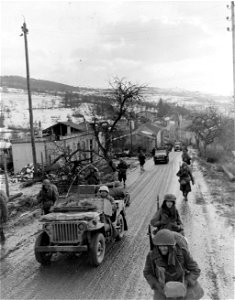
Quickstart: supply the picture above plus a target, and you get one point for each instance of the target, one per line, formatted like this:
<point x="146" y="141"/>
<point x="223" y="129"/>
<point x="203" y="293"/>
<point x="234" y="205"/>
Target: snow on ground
<point x="46" y="108"/>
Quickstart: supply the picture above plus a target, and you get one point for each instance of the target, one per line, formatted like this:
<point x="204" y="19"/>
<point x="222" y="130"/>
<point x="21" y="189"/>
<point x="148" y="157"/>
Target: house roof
<point x="148" y="129"/>
<point x="80" y="127"/>
<point x="153" y="127"/>
<point x="185" y="123"/>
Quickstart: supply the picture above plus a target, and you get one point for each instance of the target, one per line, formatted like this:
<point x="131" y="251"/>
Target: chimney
<point x="69" y="119"/>
<point x="40" y="129"/>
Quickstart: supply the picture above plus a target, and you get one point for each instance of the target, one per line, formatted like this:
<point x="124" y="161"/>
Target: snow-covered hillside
<point x="46" y="109"/>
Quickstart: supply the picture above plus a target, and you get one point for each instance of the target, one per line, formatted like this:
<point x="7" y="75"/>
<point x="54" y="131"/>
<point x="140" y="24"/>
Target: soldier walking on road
<point x="170" y="262"/>
<point x="168" y="216"/>
<point x="47" y="196"/>
<point x="141" y="158"/>
<point x="93" y="177"/>
<point x="3" y="215"/>
<point x="185" y="176"/>
<point x="122" y="168"/>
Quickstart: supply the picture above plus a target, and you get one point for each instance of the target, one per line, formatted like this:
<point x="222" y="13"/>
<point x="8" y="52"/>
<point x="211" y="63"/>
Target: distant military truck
<point x="161" y="156"/>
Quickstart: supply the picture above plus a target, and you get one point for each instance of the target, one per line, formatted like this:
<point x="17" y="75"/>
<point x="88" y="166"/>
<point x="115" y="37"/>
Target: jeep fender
<point x="91" y="232"/>
<point x="98" y="227"/>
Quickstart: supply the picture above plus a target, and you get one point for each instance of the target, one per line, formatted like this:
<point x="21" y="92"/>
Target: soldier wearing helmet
<point x="185" y="176"/>
<point x="104" y="194"/>
<point x="93" y="176"/>
<point x="171" y="261"/>
<point x="3" y="215"/>
<point x="47" y="196"/>
<point x="122" y="169"/>
<point x="168" y="216"/>
<point x="185" y="157"/>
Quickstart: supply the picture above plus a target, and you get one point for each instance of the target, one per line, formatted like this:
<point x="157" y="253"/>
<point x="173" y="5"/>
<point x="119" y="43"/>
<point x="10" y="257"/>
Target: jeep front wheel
<point x="43" y="258"/>
<point x="97" y="249"/>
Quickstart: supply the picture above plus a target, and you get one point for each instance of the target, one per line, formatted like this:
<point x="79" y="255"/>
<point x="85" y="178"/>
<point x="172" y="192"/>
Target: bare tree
<point x="206" y="126"/>
<point x="226" y="137"/>
<point x="123" y="96"/>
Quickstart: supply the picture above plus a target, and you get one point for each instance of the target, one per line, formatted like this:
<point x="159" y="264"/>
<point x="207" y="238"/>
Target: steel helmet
<point x="46" y="182"/>
<point x="104" y="188"/>
<point x="164" y="237"/>
<point x="170" y="197"/>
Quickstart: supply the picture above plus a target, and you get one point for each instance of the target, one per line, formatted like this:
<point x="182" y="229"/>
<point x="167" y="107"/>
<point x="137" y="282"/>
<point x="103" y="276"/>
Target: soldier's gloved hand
<point x="186" y="283"/>
<point x="155" y="230"/>
<point x="179" y="227"/>
<point x="173" y="226"/>
<point x="190" y="281"/>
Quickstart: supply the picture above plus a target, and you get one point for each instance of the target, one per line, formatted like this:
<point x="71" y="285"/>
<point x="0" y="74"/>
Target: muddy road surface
<point x="120" y="276"/>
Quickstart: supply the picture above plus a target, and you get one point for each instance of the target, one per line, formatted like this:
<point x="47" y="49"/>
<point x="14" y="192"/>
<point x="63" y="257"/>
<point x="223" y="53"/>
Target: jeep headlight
<point x="82" y="226"/>
<point x="93" y="223"/>
<point x="48" y="228"/>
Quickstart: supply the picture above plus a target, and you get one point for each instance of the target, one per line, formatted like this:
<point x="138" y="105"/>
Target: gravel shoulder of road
<point x="222" y="189"/>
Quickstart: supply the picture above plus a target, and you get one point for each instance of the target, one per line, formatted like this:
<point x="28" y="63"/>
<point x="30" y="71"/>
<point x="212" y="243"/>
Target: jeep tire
<point x="97" y="249"/>
<point x="43" y="258"/>
<point x="120" y="229"/>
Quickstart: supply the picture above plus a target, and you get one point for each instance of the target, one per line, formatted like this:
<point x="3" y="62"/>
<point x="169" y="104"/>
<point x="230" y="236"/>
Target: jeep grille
<point x="66" y="233"/>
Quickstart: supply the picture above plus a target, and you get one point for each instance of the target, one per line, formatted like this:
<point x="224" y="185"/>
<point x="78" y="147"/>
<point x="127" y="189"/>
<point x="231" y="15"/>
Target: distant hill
<point x="37" y="85"/>
<point x="174" y="95"/>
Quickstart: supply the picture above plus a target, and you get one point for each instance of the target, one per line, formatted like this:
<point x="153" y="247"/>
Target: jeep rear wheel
<point x="120" y="227"/>
<point x="43" y="258"/>
<point x="97" y="249"/>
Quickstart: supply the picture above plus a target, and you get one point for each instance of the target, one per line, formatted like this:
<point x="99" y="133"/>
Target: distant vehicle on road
<point x="178" y="146"/>
<point x="161" y="156"/>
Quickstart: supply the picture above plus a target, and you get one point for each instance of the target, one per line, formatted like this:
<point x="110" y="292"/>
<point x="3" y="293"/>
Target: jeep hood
<point x="76" y="216"/>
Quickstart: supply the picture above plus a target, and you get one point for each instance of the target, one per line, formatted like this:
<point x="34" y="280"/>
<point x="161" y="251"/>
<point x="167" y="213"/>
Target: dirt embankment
<point x="222" y="188"/>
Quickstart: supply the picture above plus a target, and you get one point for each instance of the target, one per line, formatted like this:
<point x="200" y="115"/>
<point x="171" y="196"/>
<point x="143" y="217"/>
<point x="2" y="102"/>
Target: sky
<point x="165" y="44"/>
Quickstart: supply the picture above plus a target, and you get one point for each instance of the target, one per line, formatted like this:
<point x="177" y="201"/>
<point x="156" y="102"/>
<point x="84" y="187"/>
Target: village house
<point x="5" y="154"/>
<point x="52" y="141"/>
<point x="146" y="136"/>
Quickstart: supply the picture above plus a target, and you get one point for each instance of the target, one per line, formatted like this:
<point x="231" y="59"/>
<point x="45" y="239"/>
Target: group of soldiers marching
<point x="169" y="269"/>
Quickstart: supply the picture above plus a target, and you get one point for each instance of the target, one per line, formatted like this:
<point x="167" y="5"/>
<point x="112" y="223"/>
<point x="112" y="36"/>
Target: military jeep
<point x="78" y="224"/>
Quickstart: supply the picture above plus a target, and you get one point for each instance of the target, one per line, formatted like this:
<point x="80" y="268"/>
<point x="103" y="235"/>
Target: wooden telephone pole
<point x="233" y="38"/>
<point x="25" y="32"/>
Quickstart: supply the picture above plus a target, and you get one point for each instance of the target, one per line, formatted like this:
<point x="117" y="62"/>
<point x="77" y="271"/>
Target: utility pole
<point x="233" y="38"/>
<point x="5" y="173"/>
<point x="25" y="32"/>
<point x="130" y="122"/>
